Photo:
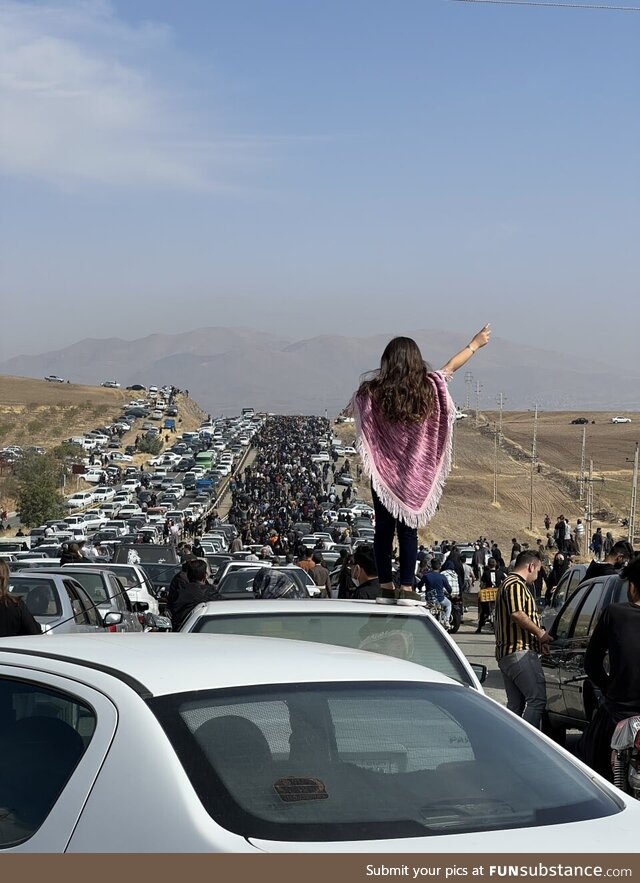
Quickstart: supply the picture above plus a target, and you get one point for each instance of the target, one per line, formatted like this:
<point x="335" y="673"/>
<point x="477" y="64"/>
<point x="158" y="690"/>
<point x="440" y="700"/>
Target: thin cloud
<point x="82" y="99"/>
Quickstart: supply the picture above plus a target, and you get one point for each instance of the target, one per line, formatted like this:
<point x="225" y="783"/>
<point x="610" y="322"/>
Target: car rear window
<point x="414" y="638"/>
<point x="40" y="596"/>
<point x="358" y="761"/>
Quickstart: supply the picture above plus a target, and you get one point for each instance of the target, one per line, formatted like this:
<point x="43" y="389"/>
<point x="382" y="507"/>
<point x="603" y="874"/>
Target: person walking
<point x="519" y="637"/>
<point x="579" y="536"/>
<point x="597" y="541"/>
<point x="404" y="420"/>
<point x="15" y="618"/>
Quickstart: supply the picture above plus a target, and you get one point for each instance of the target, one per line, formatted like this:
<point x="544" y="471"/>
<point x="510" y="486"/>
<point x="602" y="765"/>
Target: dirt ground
<point x="467" y="510"/>
<point x="35" y="412"/>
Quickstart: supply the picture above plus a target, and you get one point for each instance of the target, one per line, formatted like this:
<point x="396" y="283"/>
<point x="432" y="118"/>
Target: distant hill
<point x="226" y="368"/>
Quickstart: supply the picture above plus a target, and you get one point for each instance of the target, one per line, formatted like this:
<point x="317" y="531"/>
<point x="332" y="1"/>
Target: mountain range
<point x="225" y="369"/>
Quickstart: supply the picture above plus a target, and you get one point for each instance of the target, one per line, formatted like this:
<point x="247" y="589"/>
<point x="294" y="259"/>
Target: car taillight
<point x="141" y="619"/>
<point x="112" y="628"/>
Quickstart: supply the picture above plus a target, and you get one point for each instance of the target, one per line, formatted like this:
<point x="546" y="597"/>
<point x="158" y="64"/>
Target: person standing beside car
<point x="519" y="637"/>
<point x="614" y="638"/>
<point x="15" y="618"/>
<point x="190" y="593"/>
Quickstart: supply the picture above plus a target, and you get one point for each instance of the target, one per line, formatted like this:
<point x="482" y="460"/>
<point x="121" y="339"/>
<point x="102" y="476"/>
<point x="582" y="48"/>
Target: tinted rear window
<point x="327" y="762"/>
<point x="40" y="596"/>
<point x="414" y="638"/>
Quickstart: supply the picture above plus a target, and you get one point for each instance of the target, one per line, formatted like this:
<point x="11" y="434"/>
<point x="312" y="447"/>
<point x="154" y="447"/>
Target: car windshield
<point x="415" y="638"/>
<point x="40" y="596"/>
<point x="357" y="761"/>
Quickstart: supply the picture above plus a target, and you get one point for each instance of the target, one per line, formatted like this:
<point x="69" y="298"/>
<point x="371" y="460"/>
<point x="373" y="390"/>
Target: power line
<point x="553" y="5"/>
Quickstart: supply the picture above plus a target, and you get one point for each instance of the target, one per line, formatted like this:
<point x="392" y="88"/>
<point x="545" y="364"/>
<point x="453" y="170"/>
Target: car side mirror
<point x="139" y="606"/>
<point x="480" y="671"/>
<point x="112" y="618"/>
<point x="157" y="623"/>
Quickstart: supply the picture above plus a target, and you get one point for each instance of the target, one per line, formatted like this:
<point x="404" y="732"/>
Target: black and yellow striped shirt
<point x="513" y="595"/>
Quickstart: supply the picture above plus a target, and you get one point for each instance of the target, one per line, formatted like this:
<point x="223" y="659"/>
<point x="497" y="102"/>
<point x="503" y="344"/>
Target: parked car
<point x="621" y="419"/>
<point x="53" y="378"/>
<point x="138" y="585"/>
<point x="111" y="384"/>
<point x="572" y="699"/>
<point x="390" y="756"/>
<point x="60" y="604"/>
<point x="567" y="584"/>
<point x="108" y="594"/>
<point x="238" y="584"/>
<point x="580" y="421"/>
<point x="79" y="500"/>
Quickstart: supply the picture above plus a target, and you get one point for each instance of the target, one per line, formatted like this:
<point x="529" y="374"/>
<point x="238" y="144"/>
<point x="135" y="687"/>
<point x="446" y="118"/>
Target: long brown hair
<point x="5" y="597"/>
<point x="400" y="387"/>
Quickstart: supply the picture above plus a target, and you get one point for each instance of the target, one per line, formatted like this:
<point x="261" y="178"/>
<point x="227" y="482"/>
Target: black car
<point x="137" y="387"/>
<point x="572" y="699"/>
<point x="579" y="421"/>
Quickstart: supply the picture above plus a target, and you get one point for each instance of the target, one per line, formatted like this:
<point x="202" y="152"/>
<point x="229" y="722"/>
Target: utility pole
<point x="533" y="465"/>
<point x="634" y="495"/>
<point x="582" y="462"/>
<point x="468" y="380"/>
<point x="589" y="512"/>
<point x="478" y="388"/>
<point x="495" y="464"/>
<point x="501" y="400"/>
<point x="453" y="443"/>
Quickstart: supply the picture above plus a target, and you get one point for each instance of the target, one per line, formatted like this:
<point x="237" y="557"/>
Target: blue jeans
<point x="386" y="527"/>
<point x="524" y="685"/>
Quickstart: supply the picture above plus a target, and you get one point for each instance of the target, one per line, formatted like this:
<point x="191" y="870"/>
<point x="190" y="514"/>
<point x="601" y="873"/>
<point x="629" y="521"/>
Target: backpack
<point x="451" y="578"/>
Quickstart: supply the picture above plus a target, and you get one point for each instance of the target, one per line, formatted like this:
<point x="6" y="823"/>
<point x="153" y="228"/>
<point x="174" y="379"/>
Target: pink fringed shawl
<point x="408" y="462"/>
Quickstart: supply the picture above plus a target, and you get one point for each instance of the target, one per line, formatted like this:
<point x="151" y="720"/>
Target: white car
<point x="621" y="419"/>
<point x="94" y="519"/>
<point x="136" y="582"/>
<point x="156" y="415"/>
<point x="410" y="633"/>
<point x="131" y="485"/>
<point x="289" y="746"/>
<point x="118" y="456"/>
<point x="79" y="500"/>
<point x="53" y="378"/>
<point x="103" y="494"/>
<point x="130" y="510"/>
<point x="111" y="384"/>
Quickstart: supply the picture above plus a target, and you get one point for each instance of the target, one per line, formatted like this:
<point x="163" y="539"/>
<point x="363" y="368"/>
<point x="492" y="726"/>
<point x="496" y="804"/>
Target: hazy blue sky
<point x="314" y="166"/>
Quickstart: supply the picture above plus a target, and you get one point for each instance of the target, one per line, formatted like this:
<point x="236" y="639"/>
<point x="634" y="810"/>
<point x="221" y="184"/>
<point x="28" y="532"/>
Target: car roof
<point x="161" y="664"/>
<point x="317" y="606"/>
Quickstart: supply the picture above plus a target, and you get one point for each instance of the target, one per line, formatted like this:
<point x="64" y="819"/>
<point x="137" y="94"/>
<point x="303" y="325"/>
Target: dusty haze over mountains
<point x="227" y="368"/>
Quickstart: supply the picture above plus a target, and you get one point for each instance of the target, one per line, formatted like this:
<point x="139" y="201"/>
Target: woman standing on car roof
<point x="404" y="423"/>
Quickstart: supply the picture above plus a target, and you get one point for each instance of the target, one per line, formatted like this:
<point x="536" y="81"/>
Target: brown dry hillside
<point x="467" y="511"/>
<point x="35" y="412"/>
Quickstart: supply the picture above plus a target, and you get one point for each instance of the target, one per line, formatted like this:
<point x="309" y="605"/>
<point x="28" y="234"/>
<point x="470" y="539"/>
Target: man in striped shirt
<point x="519" y="638"/>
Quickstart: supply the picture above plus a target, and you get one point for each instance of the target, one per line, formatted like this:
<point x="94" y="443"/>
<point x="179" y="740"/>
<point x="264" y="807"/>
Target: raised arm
<point x="461" y="358"/>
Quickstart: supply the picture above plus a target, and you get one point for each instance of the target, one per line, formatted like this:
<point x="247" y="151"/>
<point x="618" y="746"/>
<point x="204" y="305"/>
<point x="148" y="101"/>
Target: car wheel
<point x="557" y="732"/>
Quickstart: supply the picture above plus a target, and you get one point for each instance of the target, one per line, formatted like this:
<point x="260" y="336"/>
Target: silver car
<point x="60" y="604"/>
<point x="108" y="594"/>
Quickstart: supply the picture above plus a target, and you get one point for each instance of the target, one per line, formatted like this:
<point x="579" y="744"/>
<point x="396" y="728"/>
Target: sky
<point x="306" y="168"/>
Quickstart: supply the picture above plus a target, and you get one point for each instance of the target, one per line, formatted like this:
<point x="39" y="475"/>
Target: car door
<point x="572" y="674"/>
<point x="121" y="603"/>
<point x="553" y="662"/>
<point x="56" y="733"/>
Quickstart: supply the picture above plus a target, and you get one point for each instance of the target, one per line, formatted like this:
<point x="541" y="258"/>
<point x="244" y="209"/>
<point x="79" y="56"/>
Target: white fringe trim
<point x="395" y="506"/>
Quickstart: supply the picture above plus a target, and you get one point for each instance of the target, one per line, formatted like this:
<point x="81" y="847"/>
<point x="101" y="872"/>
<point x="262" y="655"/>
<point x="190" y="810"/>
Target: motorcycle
<point x="625" y="756"/>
